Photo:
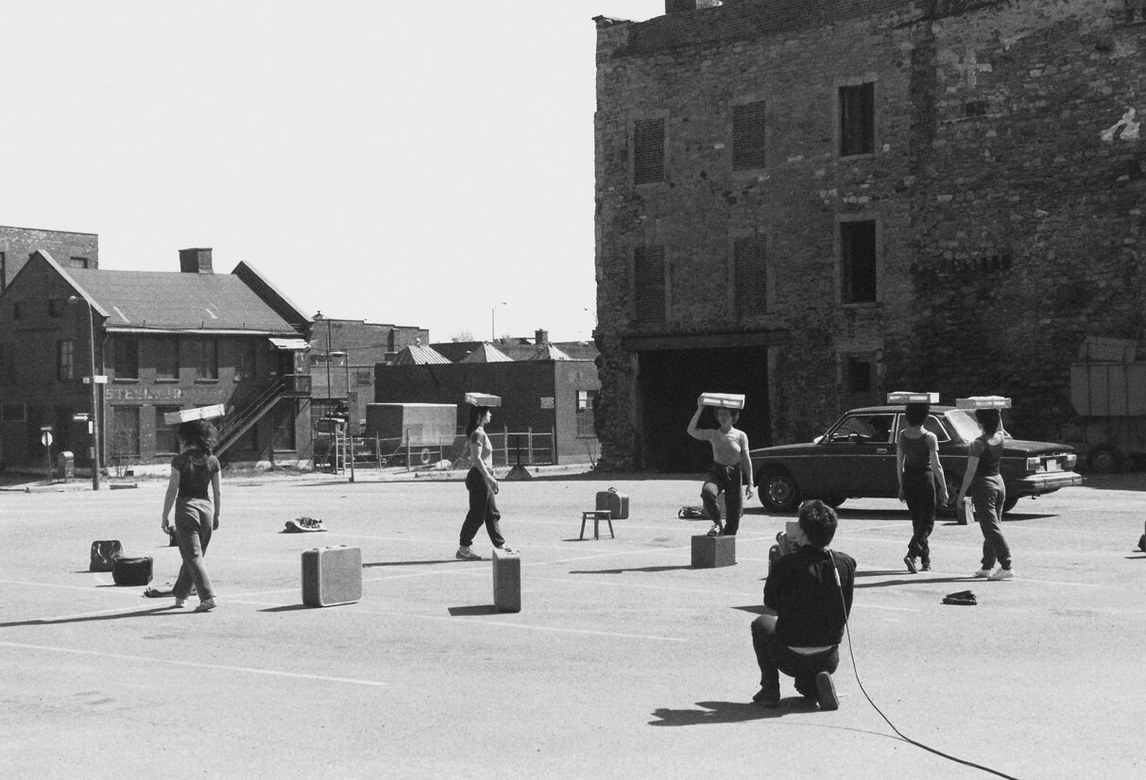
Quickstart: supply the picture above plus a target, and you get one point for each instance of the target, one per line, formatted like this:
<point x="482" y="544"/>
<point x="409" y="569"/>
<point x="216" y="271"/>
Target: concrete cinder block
<point x="711" y="552"/>
<point x="506" y="581"/>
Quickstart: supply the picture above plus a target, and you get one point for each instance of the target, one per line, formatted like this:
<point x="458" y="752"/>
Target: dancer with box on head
<point x="480" y="481"/>
<point x="193" y="470"/>
<point x="732" y="466"/>
<point x="920" y="474"/>
<point x="983" y="481"/>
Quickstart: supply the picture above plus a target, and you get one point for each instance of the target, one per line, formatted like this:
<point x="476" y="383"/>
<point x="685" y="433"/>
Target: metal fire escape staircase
<point x="239" y="422"/>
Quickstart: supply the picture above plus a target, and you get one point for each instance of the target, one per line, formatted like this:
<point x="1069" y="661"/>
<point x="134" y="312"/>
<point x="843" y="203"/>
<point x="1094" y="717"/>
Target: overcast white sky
<point x="406" y="162"/>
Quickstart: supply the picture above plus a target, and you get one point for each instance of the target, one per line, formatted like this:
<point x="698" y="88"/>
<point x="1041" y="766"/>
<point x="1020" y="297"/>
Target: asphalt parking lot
<point x="624" y="661"/>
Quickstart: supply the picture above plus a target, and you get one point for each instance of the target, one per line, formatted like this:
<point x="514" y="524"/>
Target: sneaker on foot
<point x="715" y="530"/>
<point x="982" y="574"/>
<point x="1001" y="574"/>
<point x="910" y="564"/>
<point x="206" y="605"/>
<point x="827" y="692"/>
<point x="467" y="554"/>
<point x="767" y="696"/>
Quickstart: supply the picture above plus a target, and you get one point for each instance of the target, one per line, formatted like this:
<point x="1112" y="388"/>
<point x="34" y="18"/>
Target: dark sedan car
<point x="855" y="458"/>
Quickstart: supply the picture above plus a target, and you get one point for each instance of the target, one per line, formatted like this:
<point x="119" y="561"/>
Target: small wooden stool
<point x="597" y="515"/>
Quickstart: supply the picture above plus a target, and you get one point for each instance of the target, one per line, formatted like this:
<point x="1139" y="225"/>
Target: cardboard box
<point x="725" y="400"/>
<point x="483" y="399"/>
<point x="906" y="397"/>
<point x="983" y="402"/>
<point x="198" y="413"/>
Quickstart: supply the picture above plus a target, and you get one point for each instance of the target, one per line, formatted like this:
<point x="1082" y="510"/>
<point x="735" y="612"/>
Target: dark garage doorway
<point x="669" y="384"/>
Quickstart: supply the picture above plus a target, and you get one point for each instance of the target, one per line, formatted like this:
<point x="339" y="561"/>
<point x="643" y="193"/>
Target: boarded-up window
<point x="857" y="119"/>
<point x="750" y="277"/>
<point x="648" y="151"/>
<point x="166" y="358"/>
<point x="125" y="432"/>
<point x="206" y="356"/>
<point x="748" y="136"/>
<point x="857" y="262"/>
<point x="126" y="356"/>
<point x="649" y="283"/>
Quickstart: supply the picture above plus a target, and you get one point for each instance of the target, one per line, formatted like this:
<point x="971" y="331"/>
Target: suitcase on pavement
<point x="131" y="571"/>
<point x="331" y="575"/>
<point x="104" y="553"/>
<point x="616" y="503"/>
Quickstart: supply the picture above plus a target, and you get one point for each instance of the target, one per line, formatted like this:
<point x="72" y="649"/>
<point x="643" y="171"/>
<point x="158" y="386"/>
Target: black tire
<point x="1009" y="503"/>
<point x="834" y="501"/>
<point x="779" y="492"/>
<point x="1103" y="459"/>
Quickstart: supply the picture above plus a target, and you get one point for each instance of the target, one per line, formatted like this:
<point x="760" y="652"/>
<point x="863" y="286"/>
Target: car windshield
<point x="964" y="424"/>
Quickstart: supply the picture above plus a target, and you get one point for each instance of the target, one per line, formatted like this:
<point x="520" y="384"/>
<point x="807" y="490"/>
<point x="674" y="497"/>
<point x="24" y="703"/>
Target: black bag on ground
<point x="131" y="571"/>
<point x="104" y="554"/>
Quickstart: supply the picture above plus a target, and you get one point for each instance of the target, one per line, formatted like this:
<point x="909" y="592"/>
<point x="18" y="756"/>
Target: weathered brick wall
<point x="17" y="245"/>
<point x="1007" y="227"/>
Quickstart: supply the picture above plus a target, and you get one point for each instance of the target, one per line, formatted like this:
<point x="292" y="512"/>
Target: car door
<point x="862" y="455"/>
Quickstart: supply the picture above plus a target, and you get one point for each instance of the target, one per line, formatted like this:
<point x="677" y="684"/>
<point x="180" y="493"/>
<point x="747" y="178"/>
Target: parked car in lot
<point x="855" y="458"/>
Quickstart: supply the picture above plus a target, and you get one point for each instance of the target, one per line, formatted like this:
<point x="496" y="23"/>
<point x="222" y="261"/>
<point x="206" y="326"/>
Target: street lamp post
<point x="493" y="321"/>
<point x="73" y="299"/>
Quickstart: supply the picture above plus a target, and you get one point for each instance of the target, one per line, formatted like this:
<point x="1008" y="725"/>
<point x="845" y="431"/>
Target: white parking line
<point x="173" y="662"/>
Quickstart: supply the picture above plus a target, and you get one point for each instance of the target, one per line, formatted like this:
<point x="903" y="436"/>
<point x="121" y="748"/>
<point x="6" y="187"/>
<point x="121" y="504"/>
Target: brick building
<point x="163" y="341"/>
<point x="17" y="245"/>
<point x="814" y="202"/>
<point x="343" y="354"/>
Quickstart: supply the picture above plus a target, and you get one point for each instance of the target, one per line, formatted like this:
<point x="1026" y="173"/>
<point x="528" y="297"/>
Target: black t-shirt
<point x="807" y="601"/>
<point x="196" y="468"/>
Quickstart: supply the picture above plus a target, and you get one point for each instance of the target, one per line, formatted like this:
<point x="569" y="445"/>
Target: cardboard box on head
<point x="199" y="413"/>
<point x="907" y="397"/>
<point x="725" y="400"/>
<point x="483" y="399"/>
<point x="983" y="402"/>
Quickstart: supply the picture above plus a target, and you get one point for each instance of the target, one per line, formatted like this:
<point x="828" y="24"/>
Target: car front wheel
<point x="778" y="492"/>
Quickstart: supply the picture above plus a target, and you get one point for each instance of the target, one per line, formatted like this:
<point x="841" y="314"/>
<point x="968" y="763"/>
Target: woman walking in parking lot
<point x="193" y="470"/>
<point x="988" y="493"/>
<point x="920" y="473"/>
<point x="482" y="486"/>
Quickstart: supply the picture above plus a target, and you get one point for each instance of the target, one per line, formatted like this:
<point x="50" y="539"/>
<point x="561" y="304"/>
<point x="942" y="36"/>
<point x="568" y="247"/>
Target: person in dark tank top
<point x="988" y="494"/>
<point x="194" y="472"/>
<point x="920" y="477"/>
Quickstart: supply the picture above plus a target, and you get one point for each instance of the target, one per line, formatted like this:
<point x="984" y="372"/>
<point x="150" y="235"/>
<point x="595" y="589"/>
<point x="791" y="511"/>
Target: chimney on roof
<point x="195" y="261"/>
<point x="541" y="336"/>
<point x="679" y="6"/>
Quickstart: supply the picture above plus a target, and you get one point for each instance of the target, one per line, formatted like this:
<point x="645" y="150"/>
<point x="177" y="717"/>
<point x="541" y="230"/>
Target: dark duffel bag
<point x="104" y="553"/>
<point x="131" y="571"/>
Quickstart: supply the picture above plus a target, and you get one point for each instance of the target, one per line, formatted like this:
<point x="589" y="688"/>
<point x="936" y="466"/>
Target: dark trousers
<point x="726" y="479"/>
<point x="193" y="520"/>
<point x="919" y="491"/>
<point x="988" y="495"/>
<point x="483" y="509"/>
<point x="774" y="657"/>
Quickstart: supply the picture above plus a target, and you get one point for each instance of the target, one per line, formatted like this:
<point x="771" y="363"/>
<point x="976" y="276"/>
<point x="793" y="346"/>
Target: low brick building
<point x="160" y="342"/>
<point x="815" y="202"/>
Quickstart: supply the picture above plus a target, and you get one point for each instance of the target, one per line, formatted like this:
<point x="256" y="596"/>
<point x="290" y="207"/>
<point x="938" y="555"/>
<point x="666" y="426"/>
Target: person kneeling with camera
<point x="807" y="600"/>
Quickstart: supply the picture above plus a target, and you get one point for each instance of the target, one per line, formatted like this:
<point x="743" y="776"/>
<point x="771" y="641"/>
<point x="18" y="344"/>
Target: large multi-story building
<point x="154" y="342"/>
<point x="814" y="202"/>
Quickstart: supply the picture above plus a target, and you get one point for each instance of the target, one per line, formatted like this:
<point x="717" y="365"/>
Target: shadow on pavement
<point x="96" y="618"/>
<point x="728" y="712"/>
<point x="913" y="580"/>
<point x="755" y="609"/>
<point x="622" y="571"/>
<point x="484" y="609"/>
<point x="289" y="608"/>
<point x="412" y="563"/>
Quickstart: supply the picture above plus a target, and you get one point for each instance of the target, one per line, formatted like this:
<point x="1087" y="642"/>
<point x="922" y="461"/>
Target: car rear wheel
<point x="1009" y="503"/>
<point x="778" y="492"/>
<point x="1103" y="459"/>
